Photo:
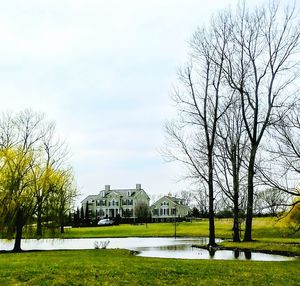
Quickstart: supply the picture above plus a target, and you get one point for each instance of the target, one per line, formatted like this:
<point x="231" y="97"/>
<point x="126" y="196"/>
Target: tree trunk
<point x="236" y="230"/>
<point x="236" y="186"/>
<point x="19" y="230"/>
<point x="249" y="216"/>
<point x="39" y="221"/>
<point x="61" y="221"/>
<point x="212" y="238"/>
<point x="212" y="241"/>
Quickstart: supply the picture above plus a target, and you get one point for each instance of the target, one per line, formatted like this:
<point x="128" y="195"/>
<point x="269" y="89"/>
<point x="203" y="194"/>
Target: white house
<point x="111" y="203"/>
<point x="168" y="208"/>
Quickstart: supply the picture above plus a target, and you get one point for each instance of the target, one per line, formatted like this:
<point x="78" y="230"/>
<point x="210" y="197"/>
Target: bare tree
<point x="231" y="154"/>
<point x="261" y="64"/>
<point x="272" y="201"/>
<point x="282" y="165"/>
<point x="201" y="102"/>
<point x="53" y="156"/>
<point x="201" y="199"/>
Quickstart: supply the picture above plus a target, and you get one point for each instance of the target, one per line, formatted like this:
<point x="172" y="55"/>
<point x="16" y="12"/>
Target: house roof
<point x="172" y="199"/>
<point x="90" y="197"/>
<point x="121" y="192"/>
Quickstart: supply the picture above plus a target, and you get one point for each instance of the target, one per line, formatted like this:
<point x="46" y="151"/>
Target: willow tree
<point x="61" y="196"/>
<point x="21" y="141"/>
<point x="16" y="193"/>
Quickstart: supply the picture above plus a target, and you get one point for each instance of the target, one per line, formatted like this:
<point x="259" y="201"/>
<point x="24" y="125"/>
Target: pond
<point x="163" y="247"/>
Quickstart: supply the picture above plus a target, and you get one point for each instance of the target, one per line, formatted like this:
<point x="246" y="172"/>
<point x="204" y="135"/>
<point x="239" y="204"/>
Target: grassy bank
<point x="119" y="267"/>
<point x="279" y="247"/>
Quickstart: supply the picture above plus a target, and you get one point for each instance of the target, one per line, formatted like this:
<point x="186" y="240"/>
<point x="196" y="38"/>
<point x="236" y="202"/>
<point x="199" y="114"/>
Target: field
<point x="121" y="267"/>
<point x="262" y="228"/>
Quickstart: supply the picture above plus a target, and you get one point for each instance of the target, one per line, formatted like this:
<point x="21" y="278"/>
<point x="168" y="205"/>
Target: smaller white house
<point x="168" y="208"/>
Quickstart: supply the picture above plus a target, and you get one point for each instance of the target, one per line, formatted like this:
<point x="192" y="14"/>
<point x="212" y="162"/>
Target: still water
<point x="162" y="247"/>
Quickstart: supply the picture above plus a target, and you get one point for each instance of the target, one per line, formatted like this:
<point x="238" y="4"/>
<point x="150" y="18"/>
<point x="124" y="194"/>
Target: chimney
<point x="138" y="187"/>
<point x="107" y="188"/>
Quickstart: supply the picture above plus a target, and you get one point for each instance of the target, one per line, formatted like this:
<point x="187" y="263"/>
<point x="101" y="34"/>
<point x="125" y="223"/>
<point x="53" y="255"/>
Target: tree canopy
<point x="36" y="182"/>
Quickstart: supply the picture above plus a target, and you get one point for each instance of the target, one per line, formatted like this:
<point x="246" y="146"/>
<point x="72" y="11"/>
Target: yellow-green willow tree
<point x="16" y="192"/>
<point x="62" y="192"/>
<point x="24" y="171"/>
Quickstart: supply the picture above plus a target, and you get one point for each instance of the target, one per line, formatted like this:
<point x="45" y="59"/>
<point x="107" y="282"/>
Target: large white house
<point x="111" y="203"/>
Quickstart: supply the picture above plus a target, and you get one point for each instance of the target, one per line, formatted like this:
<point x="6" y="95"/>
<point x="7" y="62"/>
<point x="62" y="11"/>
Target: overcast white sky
<point x="103" y="71"/>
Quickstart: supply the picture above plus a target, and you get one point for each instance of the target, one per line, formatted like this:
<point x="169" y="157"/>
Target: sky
<point x="104" y="72"/>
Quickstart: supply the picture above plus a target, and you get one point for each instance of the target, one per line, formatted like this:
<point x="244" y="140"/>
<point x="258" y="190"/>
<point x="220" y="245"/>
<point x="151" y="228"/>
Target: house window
<point x="161" y="211"/>
<point x="97" y="203"/>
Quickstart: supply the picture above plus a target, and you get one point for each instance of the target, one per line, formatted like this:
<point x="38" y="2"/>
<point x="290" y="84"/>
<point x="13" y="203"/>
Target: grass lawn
<point x="120" y="267"/>
<point x="267" y="228"/>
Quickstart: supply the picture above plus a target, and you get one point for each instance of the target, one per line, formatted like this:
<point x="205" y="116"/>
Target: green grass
<point x="267" y="228"/>
<point x="120" y="267"/>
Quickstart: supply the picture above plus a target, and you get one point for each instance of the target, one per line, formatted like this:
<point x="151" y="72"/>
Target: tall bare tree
<point x="232" y="148"/>
<point x="261" y="64"/>
<point x="201" y="101"/>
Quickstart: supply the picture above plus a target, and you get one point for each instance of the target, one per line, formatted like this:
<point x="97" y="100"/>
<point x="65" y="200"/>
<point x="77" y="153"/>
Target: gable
<point x="158" y="203"/>
<point x="113" y="195"/>
<point x="142" y="194"/>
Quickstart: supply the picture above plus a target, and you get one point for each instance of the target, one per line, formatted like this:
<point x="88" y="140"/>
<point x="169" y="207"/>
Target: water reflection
<point x="149" y="247"/>
<point x="212" y="252"/>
